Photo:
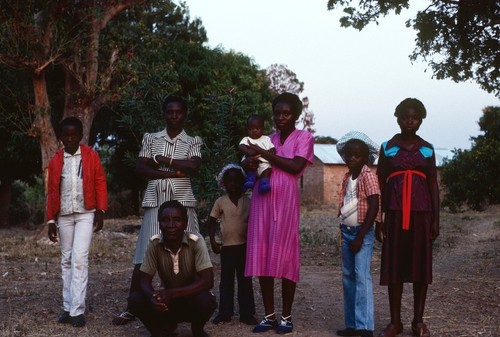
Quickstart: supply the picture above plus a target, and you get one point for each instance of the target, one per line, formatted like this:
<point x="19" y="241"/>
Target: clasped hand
<point x="160" y="300"/>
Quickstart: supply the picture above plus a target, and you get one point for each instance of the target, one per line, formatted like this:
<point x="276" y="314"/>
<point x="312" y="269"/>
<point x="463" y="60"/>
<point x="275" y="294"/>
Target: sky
<point x="353" y="79"/>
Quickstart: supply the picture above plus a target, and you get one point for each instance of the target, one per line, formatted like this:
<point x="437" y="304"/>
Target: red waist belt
<point x="406" y="202"/>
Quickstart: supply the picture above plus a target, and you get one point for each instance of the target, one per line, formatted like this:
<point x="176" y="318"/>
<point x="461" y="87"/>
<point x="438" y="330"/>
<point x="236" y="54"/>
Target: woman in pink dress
<point x="273" y="247"/>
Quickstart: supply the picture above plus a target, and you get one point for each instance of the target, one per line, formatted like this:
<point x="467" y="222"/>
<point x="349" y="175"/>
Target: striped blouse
<point x="181" y="147"/>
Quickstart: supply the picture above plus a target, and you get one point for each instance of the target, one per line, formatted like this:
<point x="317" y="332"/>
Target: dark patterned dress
<point x="407" y="248"/>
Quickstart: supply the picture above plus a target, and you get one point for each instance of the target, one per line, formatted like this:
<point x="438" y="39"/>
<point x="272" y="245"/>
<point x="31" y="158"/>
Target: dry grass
<point x="463" y="301"/>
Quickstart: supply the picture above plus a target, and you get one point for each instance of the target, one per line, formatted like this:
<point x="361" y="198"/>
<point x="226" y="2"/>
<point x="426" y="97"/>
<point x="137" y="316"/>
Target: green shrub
<point x="28" y="203"/>
<point x="471" y="177"/>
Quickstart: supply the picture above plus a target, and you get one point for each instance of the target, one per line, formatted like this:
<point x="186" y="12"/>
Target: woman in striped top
<point x="166" y="159"/>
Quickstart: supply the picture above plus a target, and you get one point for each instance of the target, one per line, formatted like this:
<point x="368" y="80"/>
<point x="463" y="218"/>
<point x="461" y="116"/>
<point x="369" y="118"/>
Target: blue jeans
<point x="357" y="280"/>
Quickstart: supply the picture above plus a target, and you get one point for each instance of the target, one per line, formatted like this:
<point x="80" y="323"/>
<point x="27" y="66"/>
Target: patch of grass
<point x="317" y="237"/>
<point x="18" y="246"/>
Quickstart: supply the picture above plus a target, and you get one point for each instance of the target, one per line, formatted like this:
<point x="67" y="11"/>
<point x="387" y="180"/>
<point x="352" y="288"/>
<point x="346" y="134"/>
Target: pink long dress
<point x="273" y="247"/>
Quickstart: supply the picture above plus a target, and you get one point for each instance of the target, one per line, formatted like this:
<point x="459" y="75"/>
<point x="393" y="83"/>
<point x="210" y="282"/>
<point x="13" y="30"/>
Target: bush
<point x="471" y="177"/>
<point x="28" y="203"/>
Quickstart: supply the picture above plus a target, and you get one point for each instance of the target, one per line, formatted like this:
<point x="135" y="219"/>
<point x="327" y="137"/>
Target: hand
<point x="250" y="164"/>
<point x="52" y="232"/>
<point x="380" y="231"/>
<point x="434" y="229"/>
<point x="98" y="220"/>
<point x="160" y="299"/>
<point x="356" y="244"/>
<point x="216" y="247"/>
<point x="255" y="151"/>
<point x="179" y="174"/>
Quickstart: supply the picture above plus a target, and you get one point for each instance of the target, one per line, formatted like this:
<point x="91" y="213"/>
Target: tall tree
<point x="281" y="79"/>
<point x="460" y="39"/>
<point x="307" y="117"/>
<point x="38" y="36"/>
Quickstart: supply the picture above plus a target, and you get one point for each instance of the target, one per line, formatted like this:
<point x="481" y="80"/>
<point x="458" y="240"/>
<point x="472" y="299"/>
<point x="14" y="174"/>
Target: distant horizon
<point x="353" y="79"/>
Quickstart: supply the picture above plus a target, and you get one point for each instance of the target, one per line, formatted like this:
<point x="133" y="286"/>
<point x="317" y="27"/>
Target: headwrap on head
<point x="372" y="146"/>
<point x="220" y="176"/>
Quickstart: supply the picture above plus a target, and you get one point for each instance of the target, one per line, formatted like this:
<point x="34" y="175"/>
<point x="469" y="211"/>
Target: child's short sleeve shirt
<point x="233" y="219"/>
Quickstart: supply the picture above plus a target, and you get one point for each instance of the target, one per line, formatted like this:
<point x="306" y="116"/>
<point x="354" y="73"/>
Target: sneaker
<point x="266" y="324"/>
<point x="123" y="318"/>
<point x="285" y="326"/>
<point x="248" y="320"/>
<point x="221" y="319"/>
<point x="78" y="321"/>
<point x="64" y="318"/>
<point x="250" y="180"/>
<point x="248" y="184"/>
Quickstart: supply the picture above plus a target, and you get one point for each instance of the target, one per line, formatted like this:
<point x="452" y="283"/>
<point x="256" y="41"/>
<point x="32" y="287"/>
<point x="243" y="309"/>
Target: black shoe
<point x="348" y="332"/>
<point x="248" y="320"/>
<point x="78" y="321"/>
<point x="198" y="331"/>
<point x="365" y="333"/>
<point x="64" y="318"/>
<point x="355" y="332"/>
<point x="221" y="319"/>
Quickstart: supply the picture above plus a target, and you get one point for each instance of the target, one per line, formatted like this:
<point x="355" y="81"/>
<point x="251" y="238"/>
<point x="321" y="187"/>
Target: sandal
<point x="420" y="329"/>
<point x="391" y="330"/>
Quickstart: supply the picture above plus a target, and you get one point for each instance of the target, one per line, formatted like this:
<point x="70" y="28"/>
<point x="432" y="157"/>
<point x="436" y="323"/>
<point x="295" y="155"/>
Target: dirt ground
<point x="464" y="299"/>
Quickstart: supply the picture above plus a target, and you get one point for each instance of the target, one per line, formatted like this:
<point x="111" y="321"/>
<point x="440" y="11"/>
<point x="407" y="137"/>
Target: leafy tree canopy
<point x="459" y="39"/>
<point x="471" y="177"/>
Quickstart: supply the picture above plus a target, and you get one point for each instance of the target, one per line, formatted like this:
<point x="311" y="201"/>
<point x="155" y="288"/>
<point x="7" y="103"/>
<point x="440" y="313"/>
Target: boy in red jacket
<point x="76" y="201"/>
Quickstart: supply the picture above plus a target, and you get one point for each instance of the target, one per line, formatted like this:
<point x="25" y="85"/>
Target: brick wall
<point x="321" y="183"/>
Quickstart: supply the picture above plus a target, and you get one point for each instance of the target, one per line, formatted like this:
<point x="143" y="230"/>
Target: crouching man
<point x="186" y="272"/>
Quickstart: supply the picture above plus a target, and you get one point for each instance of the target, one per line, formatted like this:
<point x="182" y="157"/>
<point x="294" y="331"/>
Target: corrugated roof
<point x="327" y="154"/>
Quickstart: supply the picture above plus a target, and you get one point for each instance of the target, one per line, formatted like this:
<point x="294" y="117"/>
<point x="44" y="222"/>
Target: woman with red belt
<point x="410" y="205"/>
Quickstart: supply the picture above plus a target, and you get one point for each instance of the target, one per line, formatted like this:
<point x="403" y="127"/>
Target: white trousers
<point x="75" y="234"/>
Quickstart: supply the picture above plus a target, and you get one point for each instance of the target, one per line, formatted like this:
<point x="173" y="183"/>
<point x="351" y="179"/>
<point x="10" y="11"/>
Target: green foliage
<point x="28" y="202"/>
<point x="20" y="156"/>
<point x="471" y="177"/>
<point x="222" y="89"/>
<point x="460" y="40"/>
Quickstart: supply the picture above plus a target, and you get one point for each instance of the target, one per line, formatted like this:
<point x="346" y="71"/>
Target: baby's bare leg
<point x="266" y="173"/>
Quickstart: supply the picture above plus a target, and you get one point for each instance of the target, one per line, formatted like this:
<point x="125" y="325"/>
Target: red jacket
<point x="95" y="192"/>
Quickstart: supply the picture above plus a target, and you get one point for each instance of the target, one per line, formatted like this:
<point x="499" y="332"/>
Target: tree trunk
<point x="42" y="127"/>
